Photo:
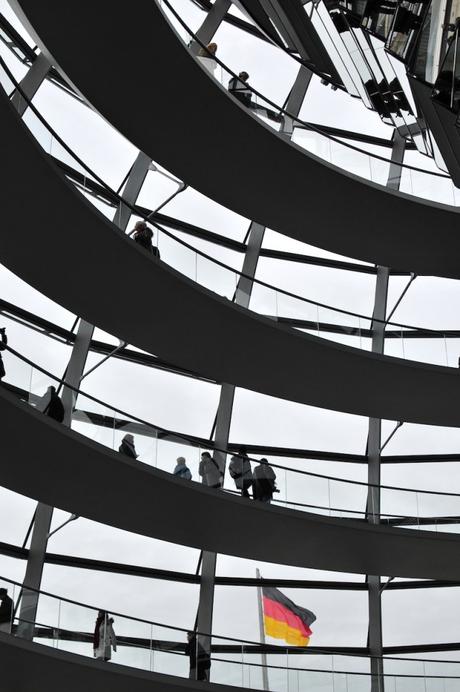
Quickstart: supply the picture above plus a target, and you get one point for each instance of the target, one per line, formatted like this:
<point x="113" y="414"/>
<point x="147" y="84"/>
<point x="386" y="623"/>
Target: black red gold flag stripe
<point x="283" y="619"/>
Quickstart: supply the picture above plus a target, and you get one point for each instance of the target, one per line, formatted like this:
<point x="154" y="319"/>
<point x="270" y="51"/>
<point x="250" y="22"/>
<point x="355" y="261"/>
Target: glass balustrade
<point x="153" y="647"/>
<point x="348" y="157"/>
<point x="69" y="626"/>
<point x="293" y="488"/>
<point x="291" y="310"/>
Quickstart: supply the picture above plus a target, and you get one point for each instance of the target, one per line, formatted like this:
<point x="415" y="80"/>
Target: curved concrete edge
<point x="182" y="118"/>
<point x="47" y="461"/>
<point x="70" y="252"/>
<point x="23" y="663"/>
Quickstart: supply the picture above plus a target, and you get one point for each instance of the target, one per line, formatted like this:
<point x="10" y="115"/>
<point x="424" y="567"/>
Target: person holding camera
<point x="3" y="343"/>
<point x="143" y="236"/>
<point x="264" y="482"/>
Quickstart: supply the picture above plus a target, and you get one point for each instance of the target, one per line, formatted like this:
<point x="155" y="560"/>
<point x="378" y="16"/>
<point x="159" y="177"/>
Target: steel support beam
<point x="213" y="20"/>
<point x="34" y="571"/>
<point x="75" y="368"/>
<point x="206" y="602"/>
<point x="397" y="157"/>
<point x="374" y="442"/>
<point x="251" y="258"/>
<point x="260" y="608"/>
<point x="296" y="99"/>
<point x="31" y="83"/>
<point x="132" y="188"/>
<point x="227" y="394"/>
<point x="73" y="376"/>
<point x="222" y="433"/>
<point x="44" y="513"/>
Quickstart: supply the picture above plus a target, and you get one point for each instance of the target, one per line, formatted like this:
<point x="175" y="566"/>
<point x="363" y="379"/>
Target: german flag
<point x="283" y="619"/>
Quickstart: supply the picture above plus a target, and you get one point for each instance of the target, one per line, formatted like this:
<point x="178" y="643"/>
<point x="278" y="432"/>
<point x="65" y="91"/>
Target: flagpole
<point x="262" y="633"/>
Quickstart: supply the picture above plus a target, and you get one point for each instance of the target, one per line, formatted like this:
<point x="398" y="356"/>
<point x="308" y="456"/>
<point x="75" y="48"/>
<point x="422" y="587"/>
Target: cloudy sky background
<point x="179" y="403"/>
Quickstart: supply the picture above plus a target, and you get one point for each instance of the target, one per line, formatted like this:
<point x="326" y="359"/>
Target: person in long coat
<point x="206" y="56"/>
<point x="264" y="482"/>
<point x="52" y="405"/>
<point x="127" y="446"/>
<point x="240" y="470"/>
<point x="104" y="638"/>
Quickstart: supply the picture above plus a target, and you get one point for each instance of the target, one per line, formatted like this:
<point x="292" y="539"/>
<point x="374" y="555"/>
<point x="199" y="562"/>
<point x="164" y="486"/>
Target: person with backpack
<point x="264" y="482"/>
<point x="238" y="87"/>
<point x="240" y="471"/>
<point x="210" y="471"/>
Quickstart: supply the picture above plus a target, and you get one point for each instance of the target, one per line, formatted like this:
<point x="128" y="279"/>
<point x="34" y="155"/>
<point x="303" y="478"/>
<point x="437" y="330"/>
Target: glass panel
<point x="293" y="310"/>
<point x="447" y="85"/>
<point x="378" y="16"/>
<point x="275" y="482"/>
<point x="407" y="24"/>
<point x="108" y="636"/>
<point x="429" y="45"/>
<point x="217" y="278"/>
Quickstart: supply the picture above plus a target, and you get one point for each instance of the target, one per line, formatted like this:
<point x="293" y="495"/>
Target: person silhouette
<point x="6" y="611"/>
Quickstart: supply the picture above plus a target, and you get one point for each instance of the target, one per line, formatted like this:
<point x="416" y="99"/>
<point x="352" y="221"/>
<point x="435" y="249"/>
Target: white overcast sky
<point x="187" y="405"/>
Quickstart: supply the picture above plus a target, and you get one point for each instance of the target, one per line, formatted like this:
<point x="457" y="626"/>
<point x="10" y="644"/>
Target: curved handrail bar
<point x="121" y="641"/>
<point x="56" y="332"/>
<point x="135" y="619"/>
<point x="315" y="651"/>
<point x="289" y="205"/>
<point x="404" y="518"/>
<point x="357" y="673"/>
<point x="303" y="123"/>
<point x="301" y="61"/>
<point x="159" y="227"/>
<point x="271" y="666"/>
<point x="196" y="443"/>
<point x="306" y="650"/>
<point x="223" y="450"/>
